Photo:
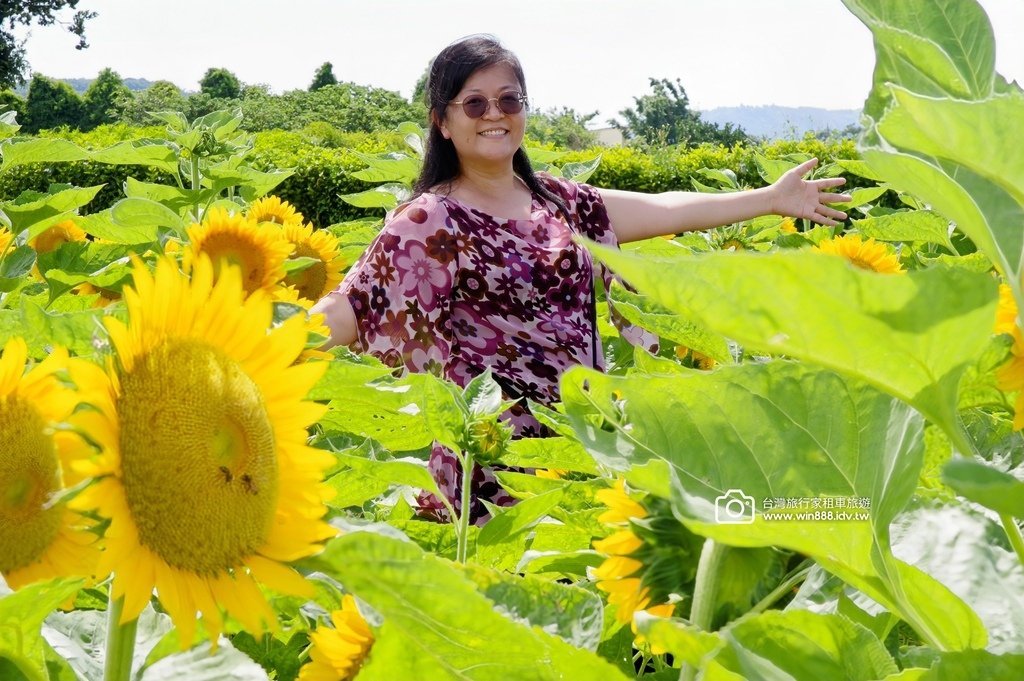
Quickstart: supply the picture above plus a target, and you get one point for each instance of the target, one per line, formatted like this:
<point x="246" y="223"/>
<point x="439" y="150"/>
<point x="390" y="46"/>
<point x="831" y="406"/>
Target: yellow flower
<point x="698" y="360"/>
<point x="664" y="610"/>
<point x="38" y="539"/>
<point x="551" y="473"/>
<point x="106" y="296"/>
<point x="620" y="507"/>
<point x="205" y="473"/>
<point x="273" y="209"/>
<point x="55" y="235"/>
<point x="337" y="654"/>
<point x="788" y="226"/>
<point x="320" y="278"/>
<point x="5" y="240"/>
<point x="1006" y="311"/>
<point x="867" y="255"/>
<point x="259" y="250"/>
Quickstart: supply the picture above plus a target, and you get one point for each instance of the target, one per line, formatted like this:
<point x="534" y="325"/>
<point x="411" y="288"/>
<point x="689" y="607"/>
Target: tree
<point x="51" y="104"/>
<point x="103" y="99"/>
<point x="26" y="12"/>
<point x="220" y="83"/>
<point x="162" y="95"/>
<point x="665" y="117"/>
<point x="562" y="127"/>
<point x="419" y="91"/>
<point x="10" y="101"/>
<point x="324" y="76"/>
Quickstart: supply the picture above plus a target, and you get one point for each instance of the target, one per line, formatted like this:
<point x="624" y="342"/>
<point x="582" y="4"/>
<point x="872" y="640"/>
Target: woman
<point x="480" y="269"/>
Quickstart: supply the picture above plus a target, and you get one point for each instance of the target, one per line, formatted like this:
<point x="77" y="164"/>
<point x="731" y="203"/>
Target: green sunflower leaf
<point x="22" y="648"/>
<point x="910" y="335"/>
<point x="731" y="447"/>
<point x="440" y="624"/>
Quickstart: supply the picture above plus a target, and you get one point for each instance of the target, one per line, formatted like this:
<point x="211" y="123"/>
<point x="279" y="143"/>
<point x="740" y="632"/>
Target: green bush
<point x="323" y="159"/>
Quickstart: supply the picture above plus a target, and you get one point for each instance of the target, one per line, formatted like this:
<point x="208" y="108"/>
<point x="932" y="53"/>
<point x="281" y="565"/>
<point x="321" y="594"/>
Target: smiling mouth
<point x="494" y="133"/>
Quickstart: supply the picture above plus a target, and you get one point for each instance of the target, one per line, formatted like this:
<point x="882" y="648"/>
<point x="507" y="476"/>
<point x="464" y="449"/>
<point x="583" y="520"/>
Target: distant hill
<point x="80" y="85"/>
<point x="782" y="122"/>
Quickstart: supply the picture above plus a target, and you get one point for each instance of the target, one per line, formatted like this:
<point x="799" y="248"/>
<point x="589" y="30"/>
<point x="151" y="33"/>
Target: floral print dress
<point x="447" y="289"/>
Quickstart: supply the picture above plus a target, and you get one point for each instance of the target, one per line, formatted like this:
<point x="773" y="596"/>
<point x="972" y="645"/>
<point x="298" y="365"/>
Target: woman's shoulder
<point x="565" y="189"/>
<point x="425" y="209"/>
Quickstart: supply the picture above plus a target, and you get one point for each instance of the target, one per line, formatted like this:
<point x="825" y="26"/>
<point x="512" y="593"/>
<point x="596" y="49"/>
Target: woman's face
<point x="494" y="137"/>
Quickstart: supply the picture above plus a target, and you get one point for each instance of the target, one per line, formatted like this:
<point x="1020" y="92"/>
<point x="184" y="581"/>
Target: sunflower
<point x="106" y="296"/>
<point x="52" y="237"/>
<point x="38" y="539"/>
<point x="1006" y="311"/>
<point x="205" y="473"/>
<point x="273" y="209"/>
<point x="648" y="557"/>
<point x="695" y="359"/>
<point x="867" y="255"/>
<point x="5" y="240"/>
<point x="787" y="226"/>
<point x="259" y="250"/>
<point x="616" y="574"/>
<point x="320" y="278"/>
<point x="1010" y="377"/>
<point x="337" y="654"/>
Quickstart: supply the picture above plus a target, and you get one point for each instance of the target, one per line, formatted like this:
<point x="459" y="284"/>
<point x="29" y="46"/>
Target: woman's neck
<point x="503" y="194"/>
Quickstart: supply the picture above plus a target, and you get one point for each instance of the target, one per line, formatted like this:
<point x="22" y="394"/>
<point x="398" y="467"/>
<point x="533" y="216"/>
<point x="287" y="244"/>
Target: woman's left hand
<point x="793" y="196"/>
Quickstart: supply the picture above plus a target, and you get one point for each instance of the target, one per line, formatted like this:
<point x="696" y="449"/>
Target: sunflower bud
<point x="487" y="438"/>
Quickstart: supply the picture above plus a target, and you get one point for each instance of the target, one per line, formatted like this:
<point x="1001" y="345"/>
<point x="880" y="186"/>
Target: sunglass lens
<point x="475" y="106"/>
<point x="510" y="104"/>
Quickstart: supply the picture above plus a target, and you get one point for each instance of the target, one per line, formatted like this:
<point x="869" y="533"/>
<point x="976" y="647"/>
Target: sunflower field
<point x="819" y="475"/>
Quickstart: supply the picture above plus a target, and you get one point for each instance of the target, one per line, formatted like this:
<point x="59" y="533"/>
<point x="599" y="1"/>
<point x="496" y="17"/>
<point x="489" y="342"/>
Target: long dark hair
<point x="449" y="72"/>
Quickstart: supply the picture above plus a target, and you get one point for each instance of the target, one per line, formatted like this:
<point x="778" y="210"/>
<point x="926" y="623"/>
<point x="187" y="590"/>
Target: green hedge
<point x="323" y="160"/>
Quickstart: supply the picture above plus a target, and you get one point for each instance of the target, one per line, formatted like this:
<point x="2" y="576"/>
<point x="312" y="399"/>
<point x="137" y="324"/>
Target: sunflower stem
<point x="465" y="511"/>
<point x="195" y="182"/>
<point x="1013" y="533"/>
<point x="120" y="642"/>
<point x="705" y="593"/>
<point x="792" y="579"/>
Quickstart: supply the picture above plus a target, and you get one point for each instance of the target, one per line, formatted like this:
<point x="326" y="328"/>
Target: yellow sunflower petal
<point x="203" y="428"/>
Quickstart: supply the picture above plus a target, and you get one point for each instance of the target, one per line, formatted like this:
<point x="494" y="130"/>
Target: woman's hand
<point x="793" y="196"/>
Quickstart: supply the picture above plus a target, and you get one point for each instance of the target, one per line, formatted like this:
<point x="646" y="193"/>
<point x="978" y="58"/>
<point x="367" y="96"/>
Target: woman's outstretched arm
<point x="339" y="317"/>
<point x="635" y="215"/>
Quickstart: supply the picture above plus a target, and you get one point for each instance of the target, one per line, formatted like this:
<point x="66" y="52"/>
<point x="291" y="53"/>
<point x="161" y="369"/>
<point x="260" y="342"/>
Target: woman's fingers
<point x="829" y="197"/>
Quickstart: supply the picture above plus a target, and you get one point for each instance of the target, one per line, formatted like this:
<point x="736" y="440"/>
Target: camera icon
<point x="734" y="508"/>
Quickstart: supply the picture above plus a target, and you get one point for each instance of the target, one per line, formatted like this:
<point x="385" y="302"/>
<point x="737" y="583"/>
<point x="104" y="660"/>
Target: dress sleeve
<point x="401" y="290"/>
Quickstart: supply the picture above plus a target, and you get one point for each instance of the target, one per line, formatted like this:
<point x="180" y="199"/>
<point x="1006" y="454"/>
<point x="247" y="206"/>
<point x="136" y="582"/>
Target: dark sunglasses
<point x="476" y="106"/>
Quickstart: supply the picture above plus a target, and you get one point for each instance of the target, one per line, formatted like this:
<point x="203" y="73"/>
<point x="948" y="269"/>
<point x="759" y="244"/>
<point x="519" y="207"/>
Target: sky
<point x="589" y="55"/>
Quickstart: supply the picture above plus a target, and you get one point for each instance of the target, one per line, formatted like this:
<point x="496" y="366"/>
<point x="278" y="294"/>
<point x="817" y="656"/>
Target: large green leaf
<point x="976" y="664"/>
<point x="783" y="646"/>
<point x="21" y="617"/>
<point x="43" y="210"/>
<point x="986" y="485"/>
<point x="935" y="47"/>
<point x="642" y="311"/>
<point x="139" y="212"/>
<point x="439" y="624"/>
<point x="203" y="664"/>
<point x="152" y="153"/>
<point x="943" y="151"/>
<point x="40" y="150"/>
<point x="362" y="475"/>
<point x="770" y="433"/>
<point x="102" y="226"/>
<point x="80" y="637"/>
<point x="918" y="225"/>
<point x="959" y="548"/>
<point x="910" y="335"/>
<point x="366" y="402"/>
